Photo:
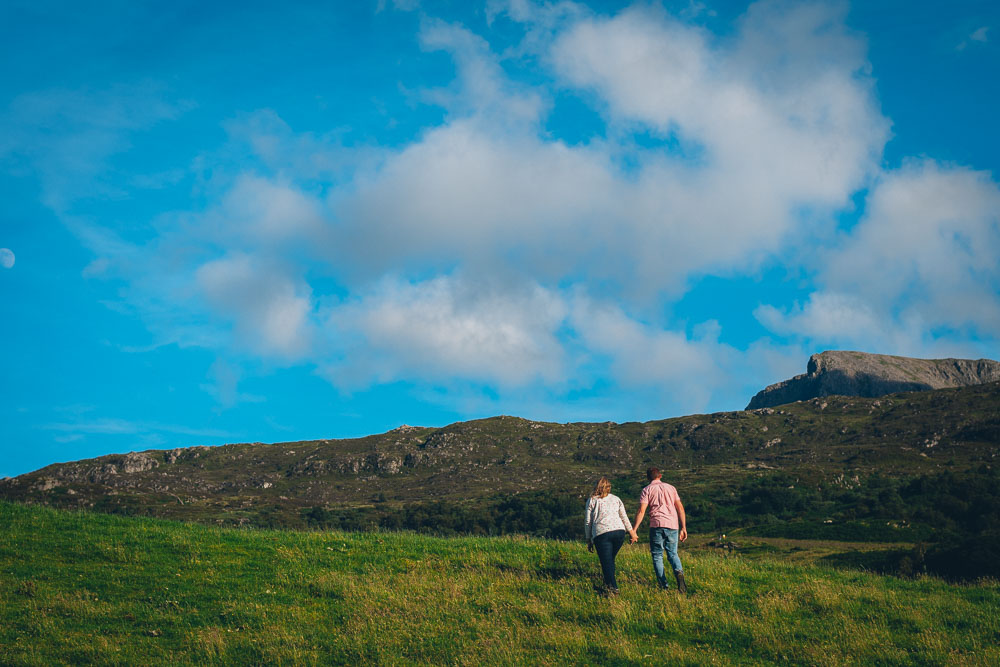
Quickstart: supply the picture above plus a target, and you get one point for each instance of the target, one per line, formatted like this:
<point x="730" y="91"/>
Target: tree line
<point x="954" y="518"/>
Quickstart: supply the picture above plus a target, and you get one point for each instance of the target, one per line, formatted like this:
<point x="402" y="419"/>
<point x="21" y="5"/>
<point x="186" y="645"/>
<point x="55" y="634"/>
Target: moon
<point x="6" y="258"/>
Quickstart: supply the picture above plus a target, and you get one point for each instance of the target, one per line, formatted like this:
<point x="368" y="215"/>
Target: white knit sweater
<point x="604" y="515"/>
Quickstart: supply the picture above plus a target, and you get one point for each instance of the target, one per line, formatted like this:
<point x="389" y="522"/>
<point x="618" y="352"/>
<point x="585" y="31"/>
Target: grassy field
<point x="78" y="588"/>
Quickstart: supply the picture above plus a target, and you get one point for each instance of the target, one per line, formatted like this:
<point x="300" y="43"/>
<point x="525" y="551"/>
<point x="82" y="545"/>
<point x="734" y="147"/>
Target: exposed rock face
<point x="872" y="375"/>
<point x="136" y="462"/>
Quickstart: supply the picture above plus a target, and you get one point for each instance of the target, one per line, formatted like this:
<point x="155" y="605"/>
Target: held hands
<point x="635" y="538"/>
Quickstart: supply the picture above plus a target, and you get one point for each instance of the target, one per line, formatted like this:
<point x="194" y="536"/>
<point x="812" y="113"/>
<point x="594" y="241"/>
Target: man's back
<point x="661" y="498"/>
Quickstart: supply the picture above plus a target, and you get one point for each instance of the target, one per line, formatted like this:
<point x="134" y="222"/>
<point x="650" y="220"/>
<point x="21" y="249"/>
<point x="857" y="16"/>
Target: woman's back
<point x="605" y="514"/>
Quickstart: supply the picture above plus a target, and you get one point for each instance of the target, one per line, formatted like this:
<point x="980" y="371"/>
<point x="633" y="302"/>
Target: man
<point x="666" y="515"/>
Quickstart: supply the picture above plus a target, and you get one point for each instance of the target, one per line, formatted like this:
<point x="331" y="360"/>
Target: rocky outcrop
<point x="375" y="462"/>
<point x="138" y="462"/>
<point x="871" y="375"/>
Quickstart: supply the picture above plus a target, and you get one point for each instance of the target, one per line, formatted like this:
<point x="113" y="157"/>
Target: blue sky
<point x="231" y="222"/>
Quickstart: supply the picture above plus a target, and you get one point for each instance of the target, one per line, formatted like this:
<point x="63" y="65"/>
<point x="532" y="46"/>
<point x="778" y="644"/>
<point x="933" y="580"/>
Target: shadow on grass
<point x="888" y="561"/>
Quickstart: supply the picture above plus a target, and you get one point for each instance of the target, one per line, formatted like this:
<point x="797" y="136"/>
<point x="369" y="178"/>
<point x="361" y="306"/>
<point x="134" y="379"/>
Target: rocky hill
<point x="824" y="439"/>
<point x="835" y="373"/>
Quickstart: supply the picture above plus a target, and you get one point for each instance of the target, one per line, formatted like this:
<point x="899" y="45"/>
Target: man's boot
<point x="681" y="586"/>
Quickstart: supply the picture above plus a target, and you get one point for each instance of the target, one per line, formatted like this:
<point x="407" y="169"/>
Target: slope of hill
<point x="829" y="441"/>
<point x="85" y="588"/>
<point x="872" y="375"/>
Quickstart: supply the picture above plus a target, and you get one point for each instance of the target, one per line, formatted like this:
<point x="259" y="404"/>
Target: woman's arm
<point x="588" y="523"/>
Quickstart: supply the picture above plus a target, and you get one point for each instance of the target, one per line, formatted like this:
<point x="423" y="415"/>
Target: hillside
<point x="831" y="442"/>
<point x="872" y="375"/>
<point x="86" y="588"/>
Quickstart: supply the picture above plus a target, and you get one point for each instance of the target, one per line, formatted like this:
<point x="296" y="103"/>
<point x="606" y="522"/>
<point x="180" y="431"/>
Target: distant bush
<point x="775" y="495"/>
<point x="968" y="558"/>
<point x="850" y="531"/>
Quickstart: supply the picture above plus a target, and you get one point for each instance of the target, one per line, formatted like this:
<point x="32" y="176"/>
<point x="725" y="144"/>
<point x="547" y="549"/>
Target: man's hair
<point x="652" y="473"/>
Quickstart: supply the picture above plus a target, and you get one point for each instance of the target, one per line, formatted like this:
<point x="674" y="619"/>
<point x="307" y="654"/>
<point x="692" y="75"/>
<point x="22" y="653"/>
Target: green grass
<point x="79" y="588"/>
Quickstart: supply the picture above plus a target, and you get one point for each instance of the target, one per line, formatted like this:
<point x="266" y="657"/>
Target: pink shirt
<point x="660" y="497"/>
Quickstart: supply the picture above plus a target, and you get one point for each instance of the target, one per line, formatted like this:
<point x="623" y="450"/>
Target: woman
<point x="605" y="527"/>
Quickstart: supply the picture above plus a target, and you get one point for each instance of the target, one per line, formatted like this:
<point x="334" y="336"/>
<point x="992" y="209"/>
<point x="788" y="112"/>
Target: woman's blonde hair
<point x="602" y="489"/>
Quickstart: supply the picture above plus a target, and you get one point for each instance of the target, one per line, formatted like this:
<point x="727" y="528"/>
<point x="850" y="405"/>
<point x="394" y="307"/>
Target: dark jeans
<point x="607" y="546"/>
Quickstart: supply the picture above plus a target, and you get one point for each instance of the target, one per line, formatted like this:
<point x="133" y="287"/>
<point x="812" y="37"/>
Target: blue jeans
<point x="607" y="545"/>
<point x="660" y="540"/>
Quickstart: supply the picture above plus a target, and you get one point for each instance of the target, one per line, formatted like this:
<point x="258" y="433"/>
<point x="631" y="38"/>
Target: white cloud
<point x="766" y="362"/>
<point x="927" y="245"/>
<point x="488" y="195"/>
<point x="922" y="260"/>
<point x="685" y="371"/>
<point x="782" y="117"/>
<point x="487" y="251"/>
<point x="224" y="386"/>
<point x="68" y="136"/>
<point x="978" y="36"/>
<point x="447" y="327"/>
<point x="829" y="317"/>
<point x="399" y="5"/>
<point x="484" y="187"/>
<point x="262" y="138"/>
<point x="519" y="338"/>
<point x="115" y="426"/>
<point x="270" y="213"/>
<point x="270" y="310"/>
<point x="481" y="87"/>
<point x="468" y="194"/>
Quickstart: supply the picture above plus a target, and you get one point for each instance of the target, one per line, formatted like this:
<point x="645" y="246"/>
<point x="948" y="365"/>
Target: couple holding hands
<point x="607" y="523"/>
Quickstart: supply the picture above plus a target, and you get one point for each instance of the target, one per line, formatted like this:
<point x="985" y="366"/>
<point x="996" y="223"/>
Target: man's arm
<point x="623" y="515"/>
<point x="679" y="506"/>
<point x="640" y="516"/>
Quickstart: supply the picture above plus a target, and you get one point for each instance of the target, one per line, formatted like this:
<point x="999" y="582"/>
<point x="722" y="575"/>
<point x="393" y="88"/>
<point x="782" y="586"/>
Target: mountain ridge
<point x="821" y="439"/>
<point x="849" y="373"/>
